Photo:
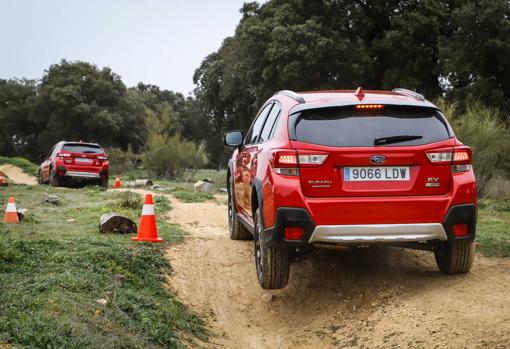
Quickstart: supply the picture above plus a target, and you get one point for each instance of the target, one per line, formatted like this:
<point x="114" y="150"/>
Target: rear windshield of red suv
<point x="389" y="126"/>
<point x="82" y="148"/>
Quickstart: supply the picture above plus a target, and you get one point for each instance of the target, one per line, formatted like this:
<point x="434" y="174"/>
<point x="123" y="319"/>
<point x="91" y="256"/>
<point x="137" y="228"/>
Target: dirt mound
<point x="16" y="175"/>
<point x="377" y="297"/>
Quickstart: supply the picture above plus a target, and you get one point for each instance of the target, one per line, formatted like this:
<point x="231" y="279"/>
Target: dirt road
<point x="16" y="175"/>
<point x="377" y="297"/>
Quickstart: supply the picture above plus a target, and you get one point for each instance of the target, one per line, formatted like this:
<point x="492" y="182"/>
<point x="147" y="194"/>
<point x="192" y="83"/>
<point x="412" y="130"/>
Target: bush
<point x="498" y="189"/>
<point x="122" y="161"/>
<point x="482" y="129"/>
<point x="170" y="156"/>
<point x="128" y="199"/>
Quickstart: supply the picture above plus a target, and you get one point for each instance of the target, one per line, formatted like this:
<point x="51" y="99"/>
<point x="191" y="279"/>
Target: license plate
<point x="83" y="160"/>
<point x="386" y="173"/>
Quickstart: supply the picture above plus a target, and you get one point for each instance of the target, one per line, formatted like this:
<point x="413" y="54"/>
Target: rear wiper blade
<point x="395" y="139"/>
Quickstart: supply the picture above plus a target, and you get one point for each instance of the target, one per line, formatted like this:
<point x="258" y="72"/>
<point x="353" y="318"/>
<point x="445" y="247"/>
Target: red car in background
<point x="350" y="168"/>
<point x="74" y="163"/>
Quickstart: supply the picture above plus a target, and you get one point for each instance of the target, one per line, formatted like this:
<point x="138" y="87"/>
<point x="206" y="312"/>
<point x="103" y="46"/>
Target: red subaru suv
<point x="74" y="162"/>
<point x="350" y="168"/>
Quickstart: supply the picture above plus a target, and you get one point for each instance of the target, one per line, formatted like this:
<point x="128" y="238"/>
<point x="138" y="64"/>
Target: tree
<point x="475" y="57"/>
<point x="167" y="154"/>
<point x="17" y="126"/>
<point x="78" y="101"/>
<point x="452" y="47"/>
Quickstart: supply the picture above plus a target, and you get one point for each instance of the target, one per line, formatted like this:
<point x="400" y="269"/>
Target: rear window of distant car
<point x="350" y="127"/>
<point x="82" y="148"/>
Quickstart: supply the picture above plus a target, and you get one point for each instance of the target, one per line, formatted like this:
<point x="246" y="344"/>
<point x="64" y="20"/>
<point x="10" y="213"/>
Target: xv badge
<point x="432" y="182"/>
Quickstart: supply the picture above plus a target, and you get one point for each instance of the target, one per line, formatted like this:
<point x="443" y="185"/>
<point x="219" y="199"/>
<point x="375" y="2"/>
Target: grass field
<point x="493" y="228"/>
<point x="55" y="273"/>
<point x="56" y="266"/>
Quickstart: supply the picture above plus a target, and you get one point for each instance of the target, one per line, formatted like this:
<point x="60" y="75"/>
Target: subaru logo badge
<point x="377" y="159"/>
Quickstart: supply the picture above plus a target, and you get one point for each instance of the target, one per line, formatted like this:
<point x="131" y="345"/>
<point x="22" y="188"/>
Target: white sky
<point x="153" y="41"/>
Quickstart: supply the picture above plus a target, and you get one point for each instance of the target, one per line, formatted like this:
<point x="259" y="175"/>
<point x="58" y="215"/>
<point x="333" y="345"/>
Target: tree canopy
<point x="453" y="48"/>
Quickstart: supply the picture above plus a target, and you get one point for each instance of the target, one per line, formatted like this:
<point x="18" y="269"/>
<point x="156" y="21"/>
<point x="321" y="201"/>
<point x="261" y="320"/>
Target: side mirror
<point x="233" y="138"/>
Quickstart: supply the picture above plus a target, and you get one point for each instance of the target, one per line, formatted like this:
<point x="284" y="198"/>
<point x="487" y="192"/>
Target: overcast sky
<point x="154" y="41"/>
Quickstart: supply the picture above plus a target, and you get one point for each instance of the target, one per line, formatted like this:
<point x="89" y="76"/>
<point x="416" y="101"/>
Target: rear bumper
<point x="373" y="233"/>
<point x="349" y="234"/>
<point x="94" y="174"/>
<point x="84" y="175"/>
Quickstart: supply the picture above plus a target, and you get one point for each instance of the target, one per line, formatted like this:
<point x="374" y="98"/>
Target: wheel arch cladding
<point x="257" y="199"/>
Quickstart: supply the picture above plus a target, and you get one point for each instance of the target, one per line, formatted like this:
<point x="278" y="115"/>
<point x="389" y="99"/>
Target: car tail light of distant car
<point x="460" y="158"/>
<point x="63" y="155"/>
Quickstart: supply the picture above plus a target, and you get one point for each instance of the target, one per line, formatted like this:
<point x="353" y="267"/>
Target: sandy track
<point x="377" y="297"/>
<point x="17" y="176"/>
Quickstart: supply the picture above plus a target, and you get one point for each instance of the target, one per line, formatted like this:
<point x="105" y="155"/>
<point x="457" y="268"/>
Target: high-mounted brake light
<point x="369" y="106"/>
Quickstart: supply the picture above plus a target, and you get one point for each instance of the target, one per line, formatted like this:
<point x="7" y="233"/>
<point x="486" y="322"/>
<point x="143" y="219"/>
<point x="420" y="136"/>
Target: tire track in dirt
<point x="377" y="297"/>
<point x="17" y="176"/>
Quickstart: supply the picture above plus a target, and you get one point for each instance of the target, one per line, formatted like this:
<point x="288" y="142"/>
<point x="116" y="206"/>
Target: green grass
<point x="25" y="165"/>
<point x="53" y="272"/>
<point x="191" y="196"/>
<point x="493" y="228"/>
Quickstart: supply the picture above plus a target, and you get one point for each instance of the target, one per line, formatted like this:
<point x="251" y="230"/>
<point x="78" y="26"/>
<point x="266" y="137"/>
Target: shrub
<point x="122" y="161"/>
<point x="498" y="189"/>
<point x="128" y="199"/>
<point x="483" y="130"/>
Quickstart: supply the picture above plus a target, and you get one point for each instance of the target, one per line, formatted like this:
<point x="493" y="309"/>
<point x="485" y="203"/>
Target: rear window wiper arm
<point x="395" y="139"/>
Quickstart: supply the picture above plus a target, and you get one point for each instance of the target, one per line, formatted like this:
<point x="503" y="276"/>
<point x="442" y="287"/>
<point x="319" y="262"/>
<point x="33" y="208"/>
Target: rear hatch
<point x="379" y="150"/>
<point x="82" y="156"/>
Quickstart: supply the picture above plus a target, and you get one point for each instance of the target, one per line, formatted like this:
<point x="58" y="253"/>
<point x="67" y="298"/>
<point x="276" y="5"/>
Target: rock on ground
<point x="116" y="223"/>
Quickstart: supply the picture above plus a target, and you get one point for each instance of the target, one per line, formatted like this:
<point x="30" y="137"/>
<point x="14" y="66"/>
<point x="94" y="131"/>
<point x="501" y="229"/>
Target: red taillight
<point x="283" y="159"/>
<point x="63" y="155"/>
<point x="288" y="162"/>
<point x="102" y="157"/>
<point x="293" y="233"/>
<point x="370" y="106"/>
<point x="460" y="230"/>
<point x="459" y="158"/>
<point x="462" y="156"/>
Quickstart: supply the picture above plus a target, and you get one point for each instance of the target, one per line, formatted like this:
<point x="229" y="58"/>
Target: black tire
<point x="455" y="257"/>
<point x="104" y="183"/>
<point x="236" y="229"/>
<point x="54" y="180"/>
<point x="39" y="178"/>
<point x="272" y="263"/>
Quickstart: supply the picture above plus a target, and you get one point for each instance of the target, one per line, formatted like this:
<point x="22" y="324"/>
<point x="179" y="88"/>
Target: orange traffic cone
<point x="117" y="183"/>
<point x="147" y="230"/>
<point x="11" y="215"/>
<point x="2" y="179"/>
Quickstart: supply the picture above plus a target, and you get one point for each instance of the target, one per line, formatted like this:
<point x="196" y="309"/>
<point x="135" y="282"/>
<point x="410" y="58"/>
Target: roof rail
<point x="409" y="93"/>
<point x="292" y="95"/>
